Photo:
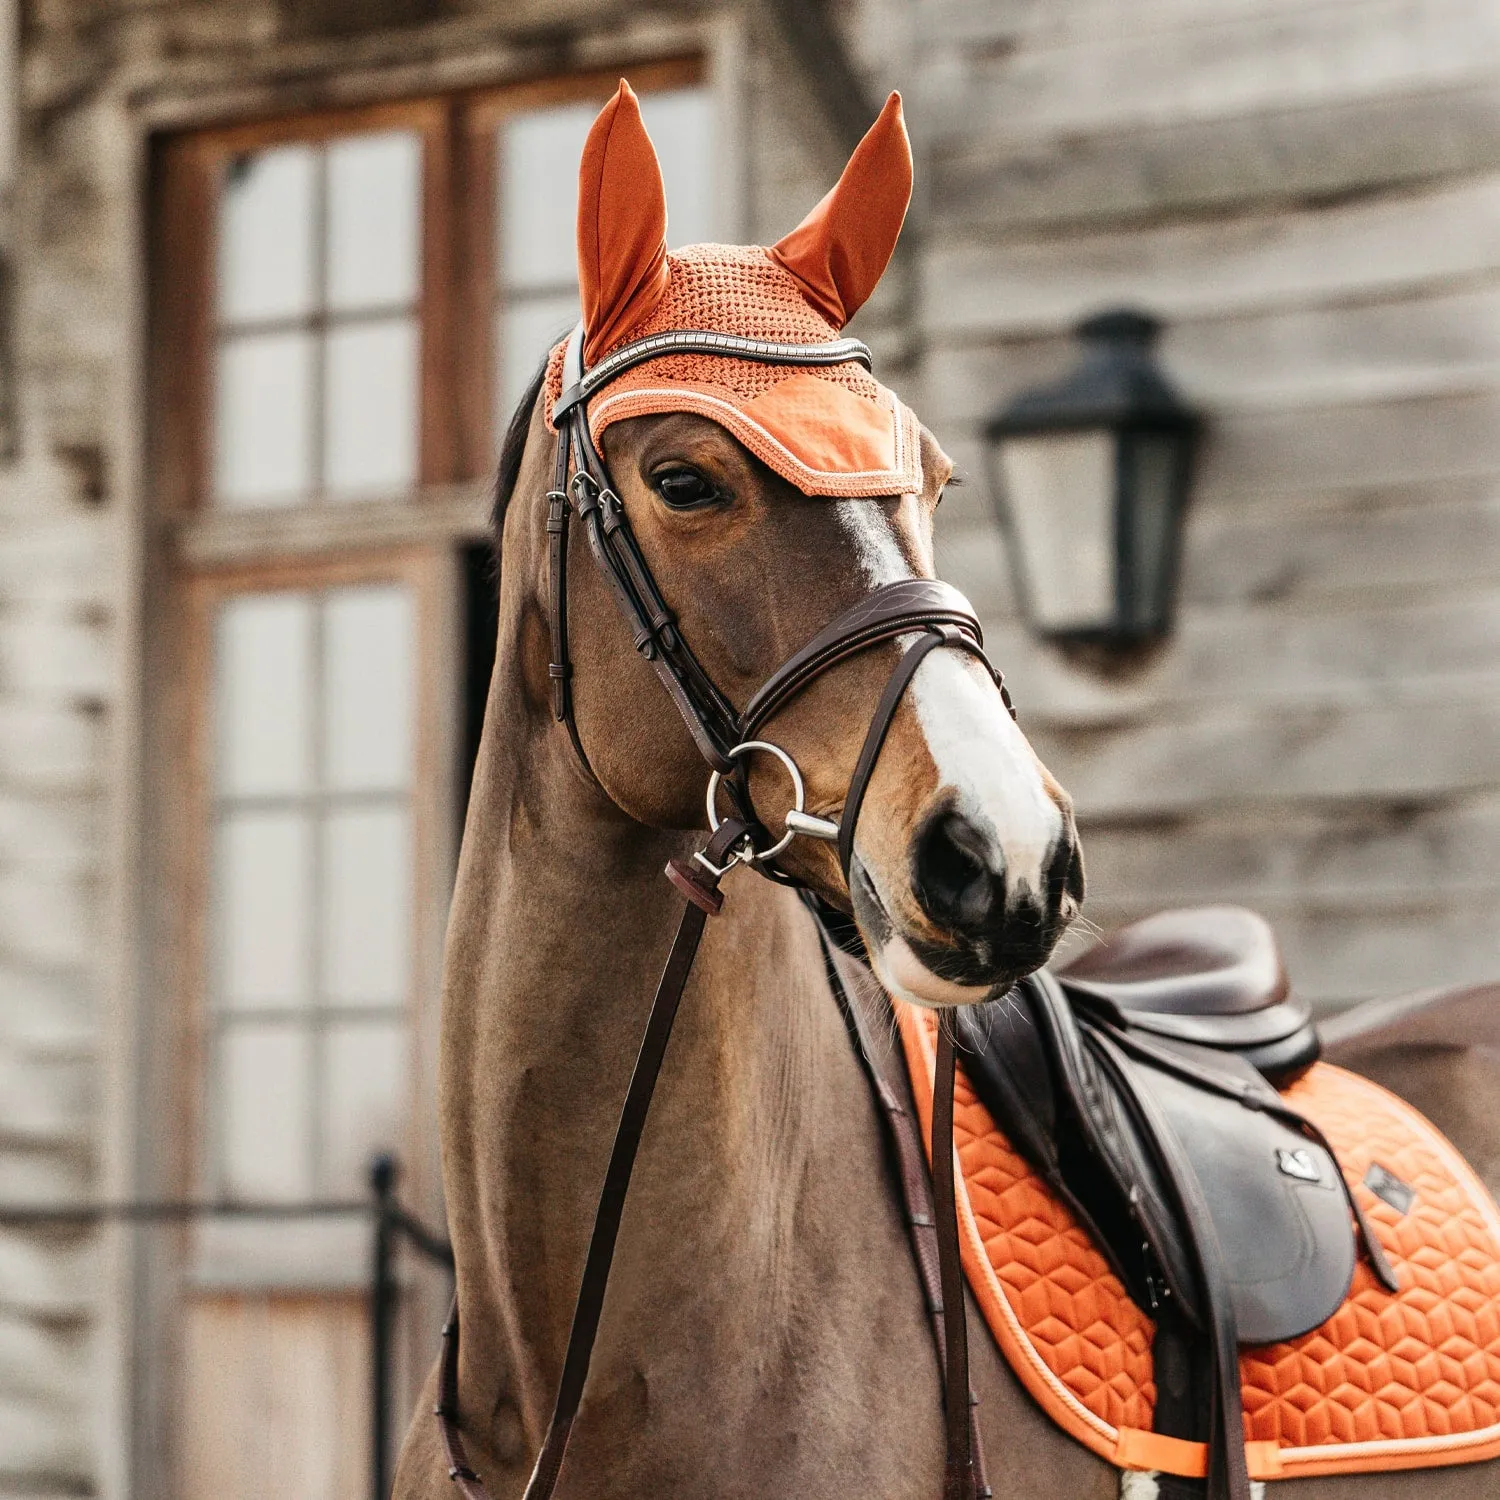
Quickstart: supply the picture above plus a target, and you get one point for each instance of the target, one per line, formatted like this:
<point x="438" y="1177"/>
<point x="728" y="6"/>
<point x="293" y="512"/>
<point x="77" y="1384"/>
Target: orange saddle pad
<point x="1389" y="1382"/>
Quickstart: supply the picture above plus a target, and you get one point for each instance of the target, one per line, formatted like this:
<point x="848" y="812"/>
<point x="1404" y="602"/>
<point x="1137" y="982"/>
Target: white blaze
<point x="982" y="758"/>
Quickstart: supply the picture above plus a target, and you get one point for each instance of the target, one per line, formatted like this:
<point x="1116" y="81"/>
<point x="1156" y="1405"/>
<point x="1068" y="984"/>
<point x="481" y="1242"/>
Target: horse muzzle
<point x="969" y="923"/>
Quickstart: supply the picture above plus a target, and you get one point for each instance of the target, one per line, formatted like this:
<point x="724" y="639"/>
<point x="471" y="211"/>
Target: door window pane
<point x="264" y="909"/>
<point x="264" y="454"/>
<point x="266" y="235"/>
<point x="536" y="200"/>
<point x="539" y="151"/>
<point x="374" y="202"/>
<point x="263" y="710"/>
<point x="366" y="906"/>
<point x="371" y="406"/>
<point x="528" y="329"/>
<point x="681" y="125"/>
<point x="265" y="1077"/>
<point x="311" y="901"/>
<point x="364" y="1098"/>
<point x="317" y="364"/>
<point x="367" y="688"/>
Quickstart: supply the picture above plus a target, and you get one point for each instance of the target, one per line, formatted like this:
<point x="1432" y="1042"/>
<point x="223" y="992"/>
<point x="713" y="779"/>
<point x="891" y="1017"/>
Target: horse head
<point x="765" y="503"/>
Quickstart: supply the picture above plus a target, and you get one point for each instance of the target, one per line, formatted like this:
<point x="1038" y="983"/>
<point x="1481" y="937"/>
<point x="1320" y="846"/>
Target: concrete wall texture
<point x="1309" y="194"/>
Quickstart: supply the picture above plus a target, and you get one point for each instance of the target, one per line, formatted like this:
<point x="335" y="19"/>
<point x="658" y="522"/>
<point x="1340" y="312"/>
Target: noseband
<point x="938" y="615"/>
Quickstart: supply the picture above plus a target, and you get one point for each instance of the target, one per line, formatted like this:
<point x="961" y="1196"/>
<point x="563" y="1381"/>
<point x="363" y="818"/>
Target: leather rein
<point x="939" y="616"/>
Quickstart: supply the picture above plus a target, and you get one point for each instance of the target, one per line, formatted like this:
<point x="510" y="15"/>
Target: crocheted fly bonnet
<point x="828" y="429"/>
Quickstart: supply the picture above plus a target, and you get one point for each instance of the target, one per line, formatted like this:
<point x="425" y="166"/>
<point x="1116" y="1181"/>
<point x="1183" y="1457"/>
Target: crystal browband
<point x="764" y="351"/>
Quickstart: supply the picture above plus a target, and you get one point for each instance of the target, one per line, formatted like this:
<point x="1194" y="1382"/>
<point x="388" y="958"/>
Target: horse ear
<point x="622" y="225"/>
<point x="840" y="249"/>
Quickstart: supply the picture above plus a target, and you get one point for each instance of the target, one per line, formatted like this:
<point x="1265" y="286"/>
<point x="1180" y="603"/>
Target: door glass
<point x="371" y="408"/>
<point x="264" y="871"/>
<point x="266" y="253"/>
<point x="374" y="208"/>
<point x="311" y="898"/>
<point x="366" y="906"/>
<point x="681" y="125"/>
<point x="539" y="151"/>
<point x="364" y="1097"/>
<point x="263" y="694"/>
<point x="367" y="688"/>
<point x="526" y="328"/>
<point x="317" y="369"/>
<point x="265" y="1074"/>
<point x="264" y="418"/>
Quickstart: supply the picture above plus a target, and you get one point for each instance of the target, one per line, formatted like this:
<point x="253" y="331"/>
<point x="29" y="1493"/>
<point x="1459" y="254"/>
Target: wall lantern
<point x="1091" y="476"/>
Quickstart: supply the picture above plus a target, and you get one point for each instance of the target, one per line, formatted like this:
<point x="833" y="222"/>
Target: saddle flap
<point x="1275" y="1199"/>
<point x="1081" y="1115"/>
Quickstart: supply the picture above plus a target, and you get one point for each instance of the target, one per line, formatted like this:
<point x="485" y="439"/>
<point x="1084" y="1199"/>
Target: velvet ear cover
<point x="839" y="251"/>
<point x="622" y="225"/>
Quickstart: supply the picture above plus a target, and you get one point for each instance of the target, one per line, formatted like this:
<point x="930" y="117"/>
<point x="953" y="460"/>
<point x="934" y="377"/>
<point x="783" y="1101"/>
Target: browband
<point x="579" y="387"/>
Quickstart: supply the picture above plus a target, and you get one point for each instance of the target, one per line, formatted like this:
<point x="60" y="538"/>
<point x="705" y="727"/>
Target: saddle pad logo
<point x="1390" y="1189"/>
<point x="1299" y="1163"/>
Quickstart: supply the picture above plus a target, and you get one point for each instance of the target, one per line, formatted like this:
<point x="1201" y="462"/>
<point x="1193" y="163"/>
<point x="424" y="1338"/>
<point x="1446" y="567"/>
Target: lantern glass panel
<point x="1149" y="472"/>
<point x="1061" y="492"/>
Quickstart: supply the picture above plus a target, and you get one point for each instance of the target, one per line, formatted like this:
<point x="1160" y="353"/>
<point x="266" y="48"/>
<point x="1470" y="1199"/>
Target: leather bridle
<point x="938" y="616"/>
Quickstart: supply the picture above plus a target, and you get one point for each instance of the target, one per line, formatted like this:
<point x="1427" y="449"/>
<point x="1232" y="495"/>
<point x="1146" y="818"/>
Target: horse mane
<point x="512" y="450"/>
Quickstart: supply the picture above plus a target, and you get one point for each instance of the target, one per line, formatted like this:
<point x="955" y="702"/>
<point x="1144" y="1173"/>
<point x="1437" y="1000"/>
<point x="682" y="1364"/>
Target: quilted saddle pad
<point x="1389" y="1382"/>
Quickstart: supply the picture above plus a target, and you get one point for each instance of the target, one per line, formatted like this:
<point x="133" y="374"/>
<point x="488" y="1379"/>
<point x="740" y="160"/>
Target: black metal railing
<point x="391" y="1224"/>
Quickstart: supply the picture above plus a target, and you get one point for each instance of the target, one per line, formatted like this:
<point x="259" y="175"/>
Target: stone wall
<point x="58" y="682"/>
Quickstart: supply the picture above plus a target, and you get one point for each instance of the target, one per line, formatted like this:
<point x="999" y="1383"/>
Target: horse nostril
<point x="1076" y="884"/>
<point x="1065" y="872"/>
<point x="951" y="878"/>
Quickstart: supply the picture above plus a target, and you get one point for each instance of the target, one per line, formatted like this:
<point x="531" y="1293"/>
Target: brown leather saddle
<point x="1140" y="1082"/>
<point x="1210" y="975"/>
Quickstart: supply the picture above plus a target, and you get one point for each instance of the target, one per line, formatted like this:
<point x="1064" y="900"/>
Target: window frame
<point x="456" y="308"/>
<point x="191" y="171"/>
<point x="429" y="577"/>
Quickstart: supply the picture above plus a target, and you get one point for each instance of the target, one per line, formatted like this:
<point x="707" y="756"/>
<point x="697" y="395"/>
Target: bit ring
<point x="799" y="796"/>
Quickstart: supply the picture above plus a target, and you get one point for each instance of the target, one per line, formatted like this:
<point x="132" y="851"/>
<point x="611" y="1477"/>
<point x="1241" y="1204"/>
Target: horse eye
<point x="685" y="489"/>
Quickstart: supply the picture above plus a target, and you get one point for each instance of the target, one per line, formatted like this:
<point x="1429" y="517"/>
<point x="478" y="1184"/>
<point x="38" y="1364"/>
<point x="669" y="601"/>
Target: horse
<point x="765" y="1332"/>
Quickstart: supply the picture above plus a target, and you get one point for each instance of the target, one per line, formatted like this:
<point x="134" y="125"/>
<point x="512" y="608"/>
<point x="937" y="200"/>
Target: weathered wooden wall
<point x="1309" y="195"/>
<point x="58" y="684"/>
